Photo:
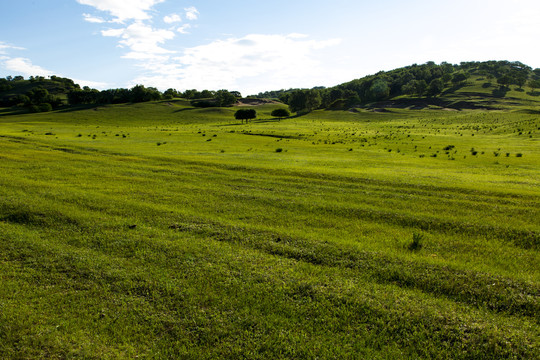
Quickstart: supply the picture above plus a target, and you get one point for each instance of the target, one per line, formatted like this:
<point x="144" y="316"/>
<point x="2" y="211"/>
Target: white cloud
<point x="4" y="47"/>
<point x="173" y="18"/>
<point x="297" y="36"/>
<point x="113" y="32"/>
<point x="93" y="19"/>
<point x="92" y="84"/>
<point x="183" y="29"/>
<point x="141" y="39"/>
<point x="192" y="13"/>
<point x="123" y="10"/>
<point x="24" y="67"/>
<point x="251" y="64"/>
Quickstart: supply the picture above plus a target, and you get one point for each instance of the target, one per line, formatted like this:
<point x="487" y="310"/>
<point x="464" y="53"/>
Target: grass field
<point x="163" y="231"/>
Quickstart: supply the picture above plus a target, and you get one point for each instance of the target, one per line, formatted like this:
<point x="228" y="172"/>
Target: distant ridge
<point x="473" y="85"/>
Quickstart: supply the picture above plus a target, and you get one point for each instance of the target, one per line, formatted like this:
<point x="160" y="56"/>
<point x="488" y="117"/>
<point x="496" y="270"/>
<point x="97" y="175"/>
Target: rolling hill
<point x="398" y="227"/>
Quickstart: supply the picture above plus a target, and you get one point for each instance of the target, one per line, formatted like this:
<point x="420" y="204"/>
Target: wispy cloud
<point x="5" y="47"/>
<point x="192" y="13"/>
<point x="93" y="19"/>
<point x="184" y="29"/>
<point x="123" y="10"/>
<point x="173" y="18"/>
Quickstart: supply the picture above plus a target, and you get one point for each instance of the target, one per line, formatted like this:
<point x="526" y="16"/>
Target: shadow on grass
<point x="500" y="92"/>
<point x="261" y="121"/>
<point x="73" y="108"/>
<point x="453" y="89"/>
<point x="530" y="111"/>
<point x="185" y="109"/>
<point x="13" y="111"/>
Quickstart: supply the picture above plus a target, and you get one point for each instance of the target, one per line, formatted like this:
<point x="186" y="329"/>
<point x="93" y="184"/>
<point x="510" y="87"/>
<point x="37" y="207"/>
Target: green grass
<point x="162" y="231"/>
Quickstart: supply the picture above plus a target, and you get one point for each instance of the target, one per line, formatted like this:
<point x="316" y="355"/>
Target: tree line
<point x="140" y="93"/>
<point x="427" y="79"/>
<point x="41" y="94"/>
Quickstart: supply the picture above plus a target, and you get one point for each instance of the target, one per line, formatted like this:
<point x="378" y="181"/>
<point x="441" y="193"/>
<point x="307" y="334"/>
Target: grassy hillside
<point x="159" y="230"/>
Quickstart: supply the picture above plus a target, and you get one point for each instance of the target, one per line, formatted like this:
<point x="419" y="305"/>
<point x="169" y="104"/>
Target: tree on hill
<point x="505" y="80"/>
<point x="141" y="94"/>
<point x="225" y="98"/>
<point x="297" y="101"/>
<point x="170" y="94"/>
<point x="5" y="85"/>
<point x="534" y="84"/>
<point x="415" y="87"/>
<point x="409" y="88"/>
<point x="521" y="80"/>
<point x="459" y="78"/>
<point x="206" y="94"/>
<point x="281" y="113"/>
<point x="307" y="100"/>
<point x="38" y="95"/>
<point x="245" y="114"/>
<point x="335" y="94"/>
<point x="435" y="87"/>
<point x="313" y="99"/>
<point x="379" y="90"/>
<point x="421" y="86"/>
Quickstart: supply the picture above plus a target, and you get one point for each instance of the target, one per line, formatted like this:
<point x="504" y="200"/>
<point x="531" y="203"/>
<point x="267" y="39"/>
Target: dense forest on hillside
<point x="428" y="80"/>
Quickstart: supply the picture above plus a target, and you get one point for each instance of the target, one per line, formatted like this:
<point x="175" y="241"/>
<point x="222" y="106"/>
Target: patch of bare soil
<point x="254" y="102"/>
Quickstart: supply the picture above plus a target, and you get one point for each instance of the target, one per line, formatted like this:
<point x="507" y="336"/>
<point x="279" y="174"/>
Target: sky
<point x="255" y="46"/>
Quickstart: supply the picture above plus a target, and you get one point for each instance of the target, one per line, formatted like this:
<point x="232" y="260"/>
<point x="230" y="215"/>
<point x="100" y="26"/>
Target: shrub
<point x="278" y="150"/>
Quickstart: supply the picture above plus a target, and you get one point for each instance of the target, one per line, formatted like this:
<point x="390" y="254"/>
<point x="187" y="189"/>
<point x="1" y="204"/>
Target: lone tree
<point x="281" y="113"/>
<point x="245" y="114"/>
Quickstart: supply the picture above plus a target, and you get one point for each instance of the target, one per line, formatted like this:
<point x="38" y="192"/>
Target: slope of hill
<point x="17" y="90"/>
<point x="443" y="85"/>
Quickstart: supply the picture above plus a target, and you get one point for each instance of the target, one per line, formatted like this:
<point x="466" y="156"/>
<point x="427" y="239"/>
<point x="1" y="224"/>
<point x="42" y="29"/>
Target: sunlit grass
<point x="158" y="230"/>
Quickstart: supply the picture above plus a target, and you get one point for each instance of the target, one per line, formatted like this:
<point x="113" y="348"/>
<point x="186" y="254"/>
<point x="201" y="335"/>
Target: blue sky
<point x="254" y="46"/>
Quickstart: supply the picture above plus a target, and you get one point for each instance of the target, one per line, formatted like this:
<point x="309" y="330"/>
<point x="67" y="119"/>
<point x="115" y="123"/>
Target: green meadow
<point x="160" y="230"/>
